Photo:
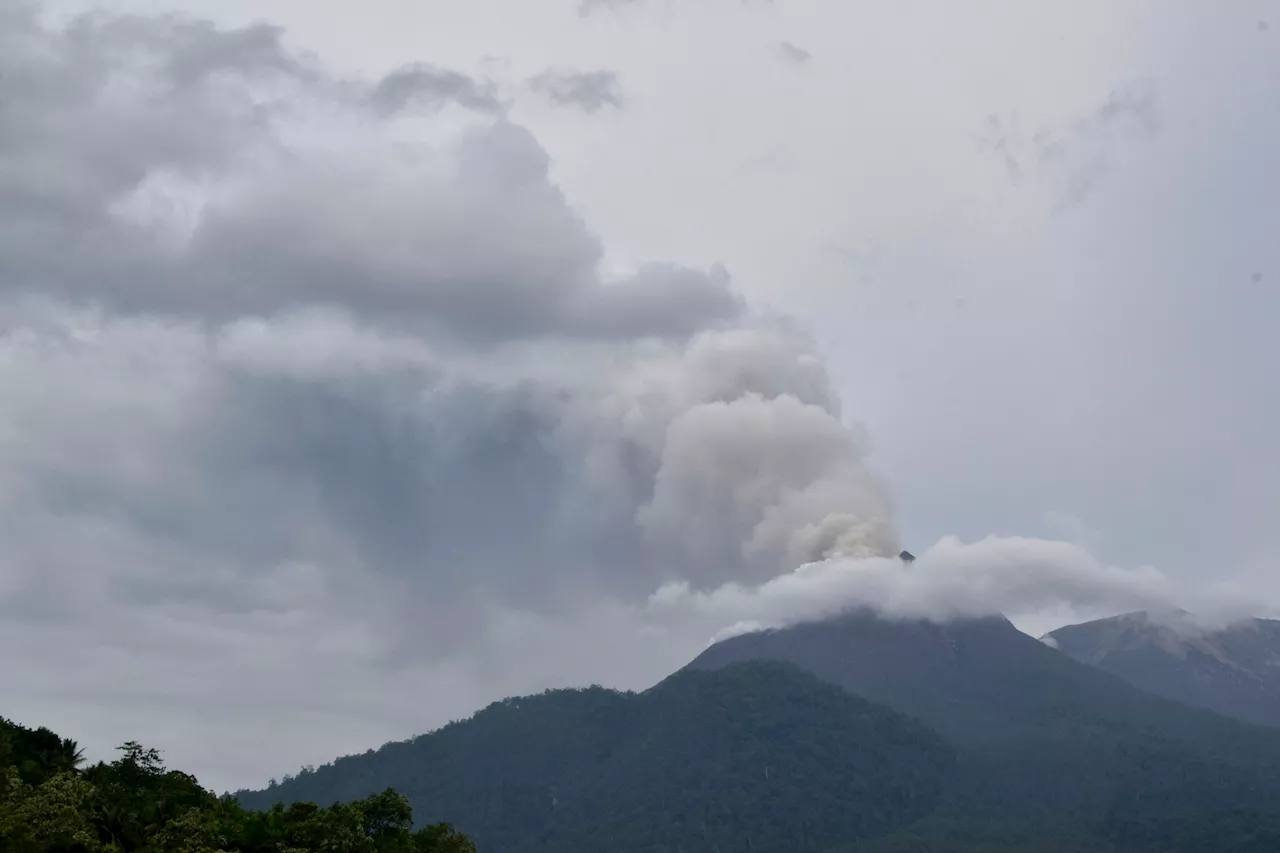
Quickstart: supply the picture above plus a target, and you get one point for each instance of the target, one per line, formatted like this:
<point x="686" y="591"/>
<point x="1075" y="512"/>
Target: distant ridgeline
<point x="48" y="804"/>
<point x="852" y="735"/>
<point x="756" y="757"/>
<point x="1234" y="670"/>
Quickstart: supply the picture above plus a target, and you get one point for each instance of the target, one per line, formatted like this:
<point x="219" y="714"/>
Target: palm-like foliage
<point x="68" y="757"/>
<point x="39" y="754"/>
<point x="136" y="805"/>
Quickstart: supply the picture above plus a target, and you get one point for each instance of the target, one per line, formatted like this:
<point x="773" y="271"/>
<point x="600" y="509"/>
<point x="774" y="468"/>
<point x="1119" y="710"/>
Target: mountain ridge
<point x="1232" y="670"/>
<point x="759" y="756"/>
<point x="997" y="742"/>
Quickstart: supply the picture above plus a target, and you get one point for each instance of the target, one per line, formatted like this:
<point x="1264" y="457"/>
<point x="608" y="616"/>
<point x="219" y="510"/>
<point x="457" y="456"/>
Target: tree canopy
<point x="49" y="804"/>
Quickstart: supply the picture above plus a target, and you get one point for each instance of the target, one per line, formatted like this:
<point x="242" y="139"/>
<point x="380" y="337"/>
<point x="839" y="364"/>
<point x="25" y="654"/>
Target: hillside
<point x="1234" y="671"/>
<point x="745" y="749"/>
<point x="1048" y="746"/>
<point x="759" y="756"/>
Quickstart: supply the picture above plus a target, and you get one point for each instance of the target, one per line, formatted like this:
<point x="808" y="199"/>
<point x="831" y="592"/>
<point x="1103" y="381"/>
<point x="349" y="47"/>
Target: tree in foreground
<point x="136" y="805"/>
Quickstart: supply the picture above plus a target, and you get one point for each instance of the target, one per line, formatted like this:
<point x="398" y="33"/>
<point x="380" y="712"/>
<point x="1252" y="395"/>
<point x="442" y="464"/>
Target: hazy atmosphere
<point x="363" y="364"/>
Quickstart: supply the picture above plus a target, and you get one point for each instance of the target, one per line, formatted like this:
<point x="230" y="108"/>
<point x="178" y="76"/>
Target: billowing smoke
<point x="317" y="335"/>
<point x="288" y="326"/>
<point x="950" y="580"/>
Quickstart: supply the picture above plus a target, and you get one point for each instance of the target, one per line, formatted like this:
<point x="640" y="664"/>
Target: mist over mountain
<point x="1232" y="669"/>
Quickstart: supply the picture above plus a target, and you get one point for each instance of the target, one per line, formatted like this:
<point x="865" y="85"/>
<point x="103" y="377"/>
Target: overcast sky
<point x="362" y="365"/>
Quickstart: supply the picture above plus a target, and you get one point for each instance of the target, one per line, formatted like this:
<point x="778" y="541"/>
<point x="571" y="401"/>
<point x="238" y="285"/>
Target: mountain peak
<point x="1232" y="669"/>
<point x="965" y="677"/>
<point x="1176" y="632"/>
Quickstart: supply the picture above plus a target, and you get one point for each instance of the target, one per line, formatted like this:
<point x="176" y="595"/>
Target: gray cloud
<point x="1080" y="157"/>
<point x="589" y="91"/>
<point x="1072" y="160"/>
<point x="193" y="173"/>
<point x="423" y="84"/>
<point x="793" y="53"/>
<point x="298" y="365"/>
<point x="776" y="161"/>
<point x="588" y="7"/>
<point x="953" y="579"/>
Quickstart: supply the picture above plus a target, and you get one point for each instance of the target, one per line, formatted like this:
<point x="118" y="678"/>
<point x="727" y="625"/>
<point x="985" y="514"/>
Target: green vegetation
<point x="1048" y="748"/>
<point x="1231" y="671"/>
<point x="994" y="744"/>
<point x="979" y="740"/>
<point x="48" y="804"/>
<point x="758" y="757"/>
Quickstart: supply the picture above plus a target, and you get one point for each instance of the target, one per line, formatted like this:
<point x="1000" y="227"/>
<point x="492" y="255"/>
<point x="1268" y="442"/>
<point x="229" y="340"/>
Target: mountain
<point x="977" y="681"/>
<point x="756" y="756"/>
<point x="1234" y="671"/>
<point x="1048" y="747"/>
<point x="963" y="737"/>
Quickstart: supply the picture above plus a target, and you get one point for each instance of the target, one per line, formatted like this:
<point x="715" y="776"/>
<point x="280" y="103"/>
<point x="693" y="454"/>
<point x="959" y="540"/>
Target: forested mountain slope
<point x="853" y="735"/>
<point x="758" y="756"/>
<point x="1234" y="670"/>
<point x="1047" y="745"/>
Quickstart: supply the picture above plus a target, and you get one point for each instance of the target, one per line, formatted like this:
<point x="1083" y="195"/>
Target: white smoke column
<point x="729" y="456"/>
<point x="782" y="481"/>
<point x="390" y="262"/>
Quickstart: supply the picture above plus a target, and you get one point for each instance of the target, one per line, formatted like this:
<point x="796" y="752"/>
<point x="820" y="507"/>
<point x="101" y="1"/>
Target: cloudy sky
<point x="360" y="367"/>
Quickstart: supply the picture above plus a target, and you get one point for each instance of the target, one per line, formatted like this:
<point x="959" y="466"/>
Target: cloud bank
<point x="287" y="350"/>
<point x="952" y="580"/>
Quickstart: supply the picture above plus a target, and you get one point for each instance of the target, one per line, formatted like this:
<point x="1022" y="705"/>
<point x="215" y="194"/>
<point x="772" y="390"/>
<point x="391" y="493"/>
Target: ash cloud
<point x="290" y="325"/>
<point x="314" y="385"/>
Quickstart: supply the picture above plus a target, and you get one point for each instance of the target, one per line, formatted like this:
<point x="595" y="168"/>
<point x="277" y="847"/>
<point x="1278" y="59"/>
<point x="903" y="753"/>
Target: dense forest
<point x="1232" y="670"/>
<point x="1048" y="747"/>
<point x="760" y="757"/>
<point x="49" y="803"/>
<point x="979" y="740"/>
